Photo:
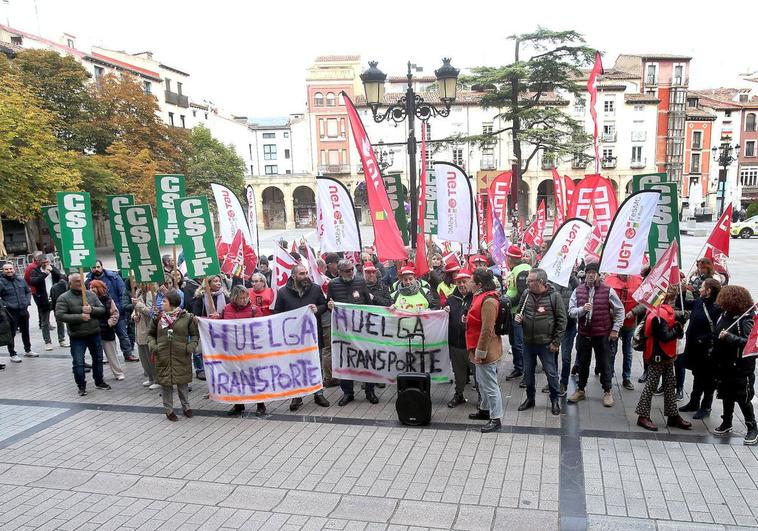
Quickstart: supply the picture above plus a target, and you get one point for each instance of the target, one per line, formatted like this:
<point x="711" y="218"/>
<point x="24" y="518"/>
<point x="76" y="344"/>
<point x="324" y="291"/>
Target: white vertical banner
<point x="564" y="250"/>
<point x="626" y="242"/>
<point x="336" y="225"/>
<point x="252" y="217"/>
<point x="455" y="207"/>
<point x="231" y="217"/>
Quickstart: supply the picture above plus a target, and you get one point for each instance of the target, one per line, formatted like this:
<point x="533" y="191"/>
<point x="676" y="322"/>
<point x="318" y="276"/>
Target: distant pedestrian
<point x="145" y="310"/>
<point x="172" y="339"/>
<point x="16" y="295"/>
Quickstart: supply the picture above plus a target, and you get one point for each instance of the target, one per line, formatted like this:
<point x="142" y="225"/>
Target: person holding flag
<point x="735" y="373"/>
<point x="515" y="287"/>
<point x="662" y="329"/>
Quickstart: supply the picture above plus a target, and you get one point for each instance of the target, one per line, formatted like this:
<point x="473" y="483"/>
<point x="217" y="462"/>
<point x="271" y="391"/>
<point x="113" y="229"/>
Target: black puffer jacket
<point x="37" y="279"/>
<point x="288" y="298"/>
<point x="734" y="373"/>
<point x="698" y="349"/>
<point x="381" y="293"/>
<point x="15" y="293"/>
<point x="459" y="305"/>
<point x="353" y="292"/>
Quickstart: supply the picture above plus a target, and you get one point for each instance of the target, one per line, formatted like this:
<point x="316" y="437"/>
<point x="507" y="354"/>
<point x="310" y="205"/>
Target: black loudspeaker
<point x="414" y="400"/>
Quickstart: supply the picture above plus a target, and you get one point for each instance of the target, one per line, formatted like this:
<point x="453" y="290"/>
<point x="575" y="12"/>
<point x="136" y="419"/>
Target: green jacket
<point x="68" y="309"/>
<point x="543" y="317"/>
<point x="173" y="355"/>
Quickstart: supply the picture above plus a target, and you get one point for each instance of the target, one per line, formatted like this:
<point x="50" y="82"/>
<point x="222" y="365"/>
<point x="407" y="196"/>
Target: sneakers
<point x="577" y="396"/>
<point x="627" y="384"/>
<point x="102" y="385"/>
<point x="31" y="354"/>
<point x="607" y="399"/>
<point x="752" y="434"/>
<point x="154" y="386"/>
<point x="701" y="414"/>
<point x="679" y="394"/>
<point x="120" y="377"/>
<point x="643" y="378"/>
<point x="147" y="383"/>
<point x="16" y="359"/>
<point x="48" y="347"/>
<point x="724" y="428"/>
<point x="82" y="391"/>
<point x="64" y="344"/>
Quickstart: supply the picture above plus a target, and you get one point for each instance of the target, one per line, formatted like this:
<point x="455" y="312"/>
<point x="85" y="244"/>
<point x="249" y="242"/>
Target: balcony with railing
<point x="334" y="169"/>
<point x="579" y="163"/>
<point x="487" y="162"/>
<point x="608" y="162"/>
<point x="548" y="162"/>
<point x="609" y="137"/>
<point x="180" y="100"/>
<point x="636" y="164"/>
<point x="650" y="80"/>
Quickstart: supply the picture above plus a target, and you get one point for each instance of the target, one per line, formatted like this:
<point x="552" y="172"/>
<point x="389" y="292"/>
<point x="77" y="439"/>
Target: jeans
<point x="489" y="391"/>
<point x="347" y="387"/>
<point x="60" y="327"/>
<point x="123" y="336"/>
<point x="548" y="359"/>
<point x="516" y="339"/>
<point x="584" y="347"/>
<point x="44" y="318"/>
<point x="79" y="345"/>
<point x="625" y="338"/>
<point x="19" y="321"/>
<point x="567" y="347"/>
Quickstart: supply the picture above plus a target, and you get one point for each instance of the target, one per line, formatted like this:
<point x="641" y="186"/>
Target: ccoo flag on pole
<point x="387" y="237"/>
<point x="626" y="242"/>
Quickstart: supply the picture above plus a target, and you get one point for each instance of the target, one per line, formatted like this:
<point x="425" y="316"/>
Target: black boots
<point x="492" y="425"/>
<point x="480" y="414"/>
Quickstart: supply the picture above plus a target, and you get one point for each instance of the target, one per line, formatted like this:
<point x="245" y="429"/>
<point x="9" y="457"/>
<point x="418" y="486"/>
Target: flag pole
<point x="741" y="316"/>
<point x="84" y="288"/>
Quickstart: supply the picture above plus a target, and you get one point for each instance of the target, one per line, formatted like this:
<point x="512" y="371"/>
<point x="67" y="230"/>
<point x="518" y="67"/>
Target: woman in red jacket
<point x="261" y="295"/>
<point x="241" y="307"/>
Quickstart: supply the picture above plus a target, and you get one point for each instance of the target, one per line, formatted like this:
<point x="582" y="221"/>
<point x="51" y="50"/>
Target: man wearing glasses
<point x="348" y="288"/>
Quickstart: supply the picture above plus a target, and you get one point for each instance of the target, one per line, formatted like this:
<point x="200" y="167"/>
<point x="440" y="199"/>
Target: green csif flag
<point x="196" y="236"/>
<point x="77" y="230"/>
<point x="665" y="227"/>
<point x="118" y="232"/>
<point x="430" y="203"/>
<point x="50" y="215"/>
<point x="168" y="188"/>
<point x="396" y="194"/>
<point x="639" y="181"/>
<point x="144" y="251"/>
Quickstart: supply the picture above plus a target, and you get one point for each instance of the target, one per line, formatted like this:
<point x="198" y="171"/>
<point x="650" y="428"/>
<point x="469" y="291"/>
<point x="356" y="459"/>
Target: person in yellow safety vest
<point x="515" y="287"/>
<point x="447" y="286"/>
<point x="411" y="295"/>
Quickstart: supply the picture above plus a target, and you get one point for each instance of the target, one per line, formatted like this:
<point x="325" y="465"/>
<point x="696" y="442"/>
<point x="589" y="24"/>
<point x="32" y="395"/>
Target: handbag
<point x="638" y="337"/>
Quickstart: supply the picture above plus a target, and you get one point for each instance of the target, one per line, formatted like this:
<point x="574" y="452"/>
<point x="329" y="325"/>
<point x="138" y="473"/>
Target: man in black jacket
<point x="42" y="279"/>
<point x="17" y="296"/>
<point x="299" y="292"/>
<point x="378" y="291"/>
<point x="350" y="289"/>
<point x="457" y="305"/>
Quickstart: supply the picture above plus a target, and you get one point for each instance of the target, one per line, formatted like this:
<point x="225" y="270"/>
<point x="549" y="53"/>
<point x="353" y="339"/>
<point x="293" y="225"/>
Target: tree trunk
<point x="516" y="168"/>
<point x="3" y="251"/>
<point x="32" y="236"/>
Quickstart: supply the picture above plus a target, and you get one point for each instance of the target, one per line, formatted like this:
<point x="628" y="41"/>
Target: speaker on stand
<point x="414" y="399"/>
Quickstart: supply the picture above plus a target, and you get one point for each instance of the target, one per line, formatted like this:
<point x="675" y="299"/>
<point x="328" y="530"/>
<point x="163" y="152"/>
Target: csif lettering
<point x="194" y="226"/>
<point x="75" y="220"/>
<point x="139" y="232"/>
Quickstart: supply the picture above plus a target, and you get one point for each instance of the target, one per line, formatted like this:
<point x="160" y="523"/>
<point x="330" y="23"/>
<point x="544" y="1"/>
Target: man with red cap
<point x="411" y="294"/>
<point x="377" y="290"/>
<point x="457" y="305"/>
<point x="515" y="286"/>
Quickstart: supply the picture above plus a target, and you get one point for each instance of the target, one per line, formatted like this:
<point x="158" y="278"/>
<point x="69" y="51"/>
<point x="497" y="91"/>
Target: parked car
<point x="745" y="229"/>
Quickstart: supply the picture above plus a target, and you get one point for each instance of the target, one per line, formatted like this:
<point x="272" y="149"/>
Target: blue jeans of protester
<point x="548" y="359"/>
<point x="625" y="338"/>
<point x="79" y="346"/>
<point x="516" y="339"/>
<point x="490" y="398"/>
<point x="123" y="336"/>
<point x="567" y="347"/>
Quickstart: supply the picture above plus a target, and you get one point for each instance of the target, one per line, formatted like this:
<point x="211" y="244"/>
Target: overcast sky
<point x="250" y="57"/>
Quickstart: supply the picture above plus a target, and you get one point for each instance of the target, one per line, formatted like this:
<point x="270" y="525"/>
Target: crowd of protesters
<point x="702" y="326"/>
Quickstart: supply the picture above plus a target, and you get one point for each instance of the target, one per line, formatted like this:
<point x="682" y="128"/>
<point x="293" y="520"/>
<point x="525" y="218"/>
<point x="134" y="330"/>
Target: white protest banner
<point x="626" y="242"/>
<point x="336" y="225"/>
<point x="564" y="250"/>
<point x="261" y="359"/>
<point x="231" y="218"/>
<point x="252" y="217"/>
<point x="455" y="205"/>
<point x="375" y="344"/>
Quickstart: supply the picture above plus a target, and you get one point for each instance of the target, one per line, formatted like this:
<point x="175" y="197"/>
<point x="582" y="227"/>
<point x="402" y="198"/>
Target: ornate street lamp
<point x="385" y="158"/>
<point x="724" y="155"/>
<point x="410" y="106"/>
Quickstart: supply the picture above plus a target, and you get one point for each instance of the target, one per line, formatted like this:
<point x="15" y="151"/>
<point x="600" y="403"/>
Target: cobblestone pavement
<point x="112" y="460"/>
